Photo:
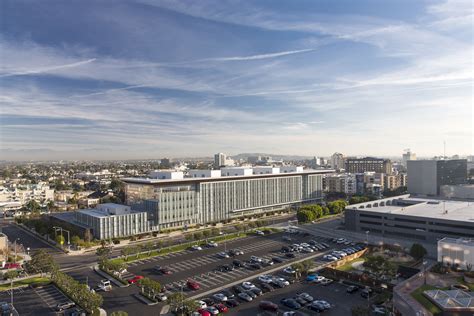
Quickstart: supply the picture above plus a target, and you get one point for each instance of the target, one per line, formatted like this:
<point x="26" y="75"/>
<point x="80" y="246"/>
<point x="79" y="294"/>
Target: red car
<point x="12" y="266"/>
<point x="135" y="279"/>
<point x="193" y="285"/>
<point x="204" y="312"/>
<point x="221" y="307"/>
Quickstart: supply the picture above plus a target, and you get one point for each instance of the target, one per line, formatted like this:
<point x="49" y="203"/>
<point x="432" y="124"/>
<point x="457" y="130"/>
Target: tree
<point x="197" y="236"/>
<point x="305" y="216"/>
<point x="42" y="262"/>
<point x="417" y="251"/>
<point x="215" y="231"/>
<point x="76" y="240"/>
<point x="176" y="299"/>
<point x="33" y="206"/>
<point x="151" y="287"/>
<point x="10" y="275"/>
<point x="103" y="250"/>
<point x="51" y="206"/>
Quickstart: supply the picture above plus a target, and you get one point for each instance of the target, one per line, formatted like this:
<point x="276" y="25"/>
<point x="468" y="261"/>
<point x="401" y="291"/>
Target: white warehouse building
<point x="456" y="251"/>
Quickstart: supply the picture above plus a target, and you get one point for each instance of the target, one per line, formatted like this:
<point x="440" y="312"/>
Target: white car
<point x="304" y="245"/>
<point x="323" y="303"/>
<point x="196" y="247"/>
<point x="161" y="297"/>
<point x="212" y="244"/>
<point x="259" y="232"/>
<point x="255" y="259"/>
<point x="265" y="278"/>
<point x="223" y="255"/>
<point x="201" y="304"/>
<point x="248" y="285"/>
<point x="267" y="262"/>
<point x="280" y="281"/>
<point x="244" y="296"/>
<point x="307" y="249"/>
<point x="220" y="297"/>
<point x="318" y="279"/>
<point x="289" y="270"/>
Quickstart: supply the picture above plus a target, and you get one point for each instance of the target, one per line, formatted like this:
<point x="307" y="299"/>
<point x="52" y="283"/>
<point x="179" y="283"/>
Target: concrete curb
<point x="253" y="276"/>
<point x="145" y="300"/>
<point x="109" y="277"/>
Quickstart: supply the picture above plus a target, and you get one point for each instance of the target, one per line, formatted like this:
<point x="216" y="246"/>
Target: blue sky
<point x="150" y="78"/>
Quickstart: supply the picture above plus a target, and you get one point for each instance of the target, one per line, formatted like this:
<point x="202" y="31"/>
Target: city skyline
<point x="153" y="79"/>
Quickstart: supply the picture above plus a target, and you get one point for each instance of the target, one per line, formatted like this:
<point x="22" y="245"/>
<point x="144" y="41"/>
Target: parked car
<point x="268" y="306"/>
<point x="289" y="270"/>
<point x="352" y="289"/>
<point x="223" y="255"/>
<point x="259" y="232"/>
<point x="255" y="266"/>
<point x="290" y="255"/>
<point x="232" y="303"/>
<point x="201" y="304"/>
<point x="204" y="312"/>
<point x="251" y="294"/>
<point x="196" y="248"/>
<point x="277" y="259"/>
<point x="255" y="259"/>
<point x="266" y="287"/>
<point x="237" y="263"/>
<point x="267" y="262"/>
<point x="228" y="293"/>
<point x="257" y="291"/>
<point x="193" y="285"/>
<point x="161" y="297"/>
<point x="212" y="244"/>
<point x="265" y="278"/>
<point x="326" y="281"/>
<point x="280" y="282"/>
<point x="248" y="285"/>
<point x="244" y="296"/>
<point x="238" y="289"/>
<point x="308" y="298"/>
<point x="291" y="303"/>
<point x="135" y="279"/>
<point x="311" y="277"/>
<point x="63" y="306"/>
<point x="316" y="307"/>
<point x="212" y="310"/>
<point x="285" y="249"/>
<point x="219" y="297"/>
<point x="166" y="271"/>
<point x="221" y="308"/>
<point x="368" y="292"/>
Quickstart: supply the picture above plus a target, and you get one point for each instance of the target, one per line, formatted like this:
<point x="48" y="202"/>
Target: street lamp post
<point x="367" y="238"/>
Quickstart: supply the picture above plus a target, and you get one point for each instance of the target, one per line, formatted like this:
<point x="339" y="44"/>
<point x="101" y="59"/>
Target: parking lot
<point x="335" y="294"/>
<point x="39" y="301"/>
<point x="201" y="266"/>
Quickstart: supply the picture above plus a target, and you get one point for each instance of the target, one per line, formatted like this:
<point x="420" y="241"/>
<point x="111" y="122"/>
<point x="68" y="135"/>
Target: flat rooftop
<point x="223" y="178"/>
<point x="420" y="207"/>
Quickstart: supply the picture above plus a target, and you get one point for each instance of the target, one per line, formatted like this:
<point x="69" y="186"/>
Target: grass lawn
<point x="37" y="280"/>
<point x="348" y="265"/>
<point x="418" y="295"/>
<point x="470" y="285"/>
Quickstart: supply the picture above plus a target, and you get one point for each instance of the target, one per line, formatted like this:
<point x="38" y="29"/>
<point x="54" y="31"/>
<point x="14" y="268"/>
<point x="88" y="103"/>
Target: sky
<point x="149" y="79"/>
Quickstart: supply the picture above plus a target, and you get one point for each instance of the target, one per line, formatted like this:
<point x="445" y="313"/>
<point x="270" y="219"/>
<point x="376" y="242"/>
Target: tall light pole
<point x="15" y="250"/>
<point x="367" y="238"/>
<point x="424" y="270"/>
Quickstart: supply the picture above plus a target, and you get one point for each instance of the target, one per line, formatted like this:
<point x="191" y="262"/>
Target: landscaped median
<point x="34" y="281"/>
<point x="184" y="246"/>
